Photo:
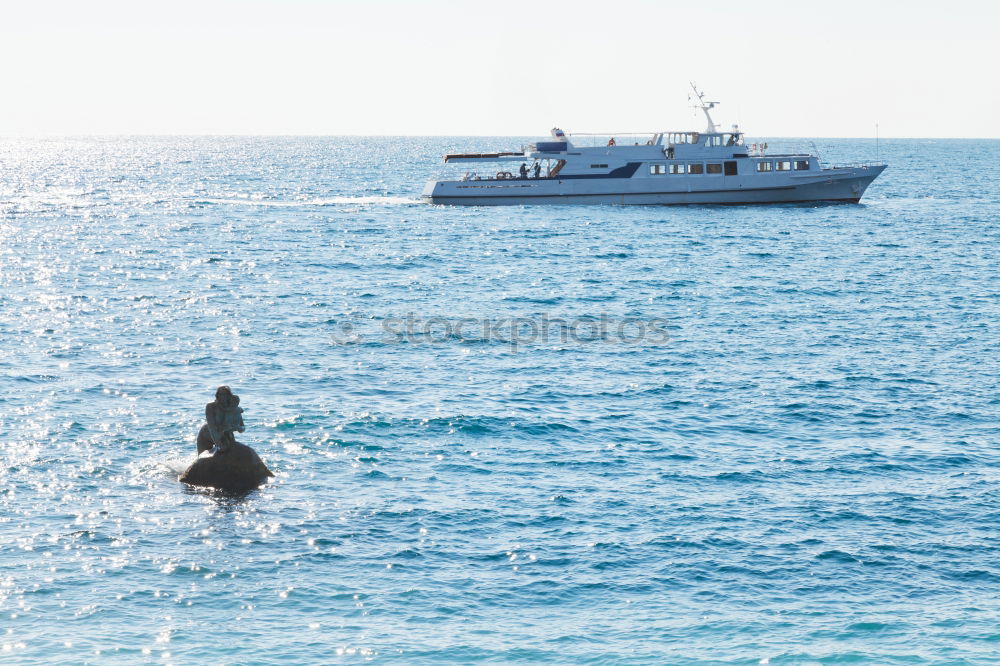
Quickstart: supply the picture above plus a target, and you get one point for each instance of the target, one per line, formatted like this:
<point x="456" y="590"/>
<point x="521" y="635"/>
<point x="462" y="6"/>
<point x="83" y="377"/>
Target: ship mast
<point x="704" y="106"/>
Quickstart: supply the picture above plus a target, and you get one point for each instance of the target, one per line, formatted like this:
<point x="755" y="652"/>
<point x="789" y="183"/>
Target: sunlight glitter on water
<point x="802" y="474"/>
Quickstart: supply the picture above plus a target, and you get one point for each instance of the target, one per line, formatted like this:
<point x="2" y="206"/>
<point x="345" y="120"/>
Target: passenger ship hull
<point x="828" y="185"/>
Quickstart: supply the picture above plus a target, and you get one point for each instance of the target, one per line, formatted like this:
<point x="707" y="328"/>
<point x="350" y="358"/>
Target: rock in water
<point x="237" y="469"/>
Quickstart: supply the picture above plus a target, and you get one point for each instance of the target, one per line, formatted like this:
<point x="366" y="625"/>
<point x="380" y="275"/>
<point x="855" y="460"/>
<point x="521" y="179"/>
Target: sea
<point x="512" y="435"/>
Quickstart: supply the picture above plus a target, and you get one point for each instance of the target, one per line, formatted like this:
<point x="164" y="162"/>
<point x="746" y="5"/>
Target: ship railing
<point x="597" y="139"/>
<point x="779" y="155"/>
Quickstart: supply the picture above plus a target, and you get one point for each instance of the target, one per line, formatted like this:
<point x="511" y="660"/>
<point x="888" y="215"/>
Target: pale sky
<point x="778" y="67"/>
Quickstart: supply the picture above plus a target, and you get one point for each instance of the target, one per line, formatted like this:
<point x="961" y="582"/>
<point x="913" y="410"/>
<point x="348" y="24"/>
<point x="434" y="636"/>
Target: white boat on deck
<point x="710" y="167"/>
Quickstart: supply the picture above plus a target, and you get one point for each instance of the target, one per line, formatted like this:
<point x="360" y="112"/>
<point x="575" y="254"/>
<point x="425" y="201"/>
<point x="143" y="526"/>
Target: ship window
<point x="763" y="166"/>
<point x="730" y="168"/>
<point x="676" y="168"/>
<point x="783" y="165"/>
<point x="696" y="168"/>
<point x="598" y="166"/>
<point x="657" y="169"/>
<point x="713" y="168"/>
<point x="801" y="165"/>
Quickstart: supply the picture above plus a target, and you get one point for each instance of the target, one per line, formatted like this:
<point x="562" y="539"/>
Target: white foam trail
<point x="332" y="201"/>
<point x="397" y="201"/>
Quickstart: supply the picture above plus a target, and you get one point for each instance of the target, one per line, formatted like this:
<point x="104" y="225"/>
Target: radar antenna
<point x="704" y="106"/>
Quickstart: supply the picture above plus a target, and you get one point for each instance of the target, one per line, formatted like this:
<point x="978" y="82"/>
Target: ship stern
<point x="428" y="194"/>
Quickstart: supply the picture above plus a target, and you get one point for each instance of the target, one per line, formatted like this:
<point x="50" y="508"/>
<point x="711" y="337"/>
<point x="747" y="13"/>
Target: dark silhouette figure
<point x="228" y="465"/>
<point x="224" y="416"/>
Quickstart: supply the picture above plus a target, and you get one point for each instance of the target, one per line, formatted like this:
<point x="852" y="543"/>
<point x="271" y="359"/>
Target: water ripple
<point x="804" y="473"/>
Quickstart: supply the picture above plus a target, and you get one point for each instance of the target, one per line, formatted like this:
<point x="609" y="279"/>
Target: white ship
<point x="710" y="167"/>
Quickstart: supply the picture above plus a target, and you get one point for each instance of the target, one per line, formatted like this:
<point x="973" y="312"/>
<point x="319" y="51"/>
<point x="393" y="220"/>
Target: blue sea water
<point x="781" y="448"/>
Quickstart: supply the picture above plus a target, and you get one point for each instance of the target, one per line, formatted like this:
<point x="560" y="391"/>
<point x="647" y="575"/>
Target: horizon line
<point x="443" y="136"/>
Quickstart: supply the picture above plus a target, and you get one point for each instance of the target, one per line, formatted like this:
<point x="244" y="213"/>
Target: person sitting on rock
<point x="224" y="416"/>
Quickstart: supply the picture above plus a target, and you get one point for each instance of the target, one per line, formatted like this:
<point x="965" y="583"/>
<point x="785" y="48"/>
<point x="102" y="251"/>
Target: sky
<point x="444" y="67"/>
